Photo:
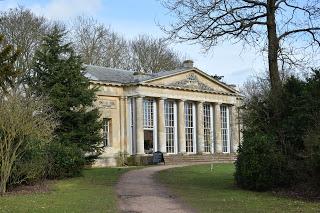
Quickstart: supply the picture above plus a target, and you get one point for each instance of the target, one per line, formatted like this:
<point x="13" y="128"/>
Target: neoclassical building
<point x="183" y="111"/>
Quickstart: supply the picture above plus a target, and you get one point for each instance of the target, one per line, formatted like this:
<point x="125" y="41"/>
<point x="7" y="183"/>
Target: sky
<point x="131" y="18"/>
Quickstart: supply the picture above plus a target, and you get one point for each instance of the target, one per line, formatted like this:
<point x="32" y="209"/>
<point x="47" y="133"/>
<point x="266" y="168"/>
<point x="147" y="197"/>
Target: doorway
<point x="148" y="141"/>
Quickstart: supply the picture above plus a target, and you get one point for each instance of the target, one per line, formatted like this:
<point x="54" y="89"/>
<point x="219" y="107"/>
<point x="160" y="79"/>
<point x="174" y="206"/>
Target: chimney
<point x="187" y="64"/>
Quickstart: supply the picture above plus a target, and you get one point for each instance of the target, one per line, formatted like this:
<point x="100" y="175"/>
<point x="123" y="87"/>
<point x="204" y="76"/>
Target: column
<point x="181" y="127"/>
<point x="122" y="123"/>
<point x="139" y="126"/>
<point x="234" y="128"/>
<point x="200" y="131"/>
<point x="129" y="133"/>
<point x="125" y="124"/>
<point x="217" y="128"/>
<point x="161" y="127"/>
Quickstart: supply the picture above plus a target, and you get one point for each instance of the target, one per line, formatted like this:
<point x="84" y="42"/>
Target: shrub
<point x="312" y="146"/>
<point x="64" y="160"/>
<point x="31" y="166"/>
<point x="259" y="166"/>
<point x="21" y="119"/>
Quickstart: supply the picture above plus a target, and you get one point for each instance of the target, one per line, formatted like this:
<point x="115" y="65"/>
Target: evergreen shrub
<point x="260" y="166"/>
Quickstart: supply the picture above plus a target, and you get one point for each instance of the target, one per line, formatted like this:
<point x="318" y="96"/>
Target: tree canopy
<point x="8" y="57"/>
<point x="281" y="27"/>
<point x="58" y="73"/>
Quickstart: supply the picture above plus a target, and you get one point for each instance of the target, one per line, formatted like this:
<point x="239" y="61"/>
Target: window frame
<point x="106" y="132"/>
<point x="148" y="114"/>
<point x="190" y="127"/>
<point x="170" y="125"/>
<point x="225" y="128"/>
<point x="208" y="134"/>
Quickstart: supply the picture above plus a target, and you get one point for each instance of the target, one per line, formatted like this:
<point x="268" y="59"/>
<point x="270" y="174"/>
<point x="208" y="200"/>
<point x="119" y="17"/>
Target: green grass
<point x="215" y="191"/>
<point x="93" y="192"/>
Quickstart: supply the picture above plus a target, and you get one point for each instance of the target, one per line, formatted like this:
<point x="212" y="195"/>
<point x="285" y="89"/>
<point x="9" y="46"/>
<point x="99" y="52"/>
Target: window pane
<point x="105" y="131"/>
<point x="148" y="113"/>
<point x="207" y="127"/>
<point x="224" y="128"/>
<point x="189" y="126"/>
<point x="169" y="125"/>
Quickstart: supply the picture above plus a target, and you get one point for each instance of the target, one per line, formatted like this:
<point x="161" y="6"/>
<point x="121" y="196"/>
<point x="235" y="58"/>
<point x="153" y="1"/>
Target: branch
<point x="279" y="2"/>
<point x="297" y="7"/>
<point x="256" y="3"/>
<point x="304" y="30"/>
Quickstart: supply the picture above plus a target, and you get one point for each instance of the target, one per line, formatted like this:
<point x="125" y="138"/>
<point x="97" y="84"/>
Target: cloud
<point x="65" y="9"/>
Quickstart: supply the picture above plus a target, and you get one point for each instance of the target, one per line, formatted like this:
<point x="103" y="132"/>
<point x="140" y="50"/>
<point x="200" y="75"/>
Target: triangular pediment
<point x="191" y="79"/>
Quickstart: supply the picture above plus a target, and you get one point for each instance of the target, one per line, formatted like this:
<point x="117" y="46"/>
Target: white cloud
<point x="65" y="9"/>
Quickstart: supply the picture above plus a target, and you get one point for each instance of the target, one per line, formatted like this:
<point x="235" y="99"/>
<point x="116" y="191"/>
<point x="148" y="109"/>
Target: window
<point x="225" y="128"/>
<point x="190" y="124"/>
<point x="169" y="125"/>
<point x="207" y="127"/>
<point x="106" y="131"/>
<point x="148" y="114"/>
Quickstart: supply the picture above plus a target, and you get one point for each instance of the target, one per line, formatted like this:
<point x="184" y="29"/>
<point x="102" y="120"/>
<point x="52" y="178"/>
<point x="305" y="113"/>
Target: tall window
<point x="189" y="119"/>
<point x="207" y="127"/>
<point x="148" y="114"/>
<point x="169" y="125"/>
<point x="225" y="128"/>
<point x="106" y="131"/>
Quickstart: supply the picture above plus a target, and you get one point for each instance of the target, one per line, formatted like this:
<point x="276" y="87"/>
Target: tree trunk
<point x="273" y="48"/>
<point x="274" y="74"/>
<point x="3" y="178"/>
<point x="3" y="187"/>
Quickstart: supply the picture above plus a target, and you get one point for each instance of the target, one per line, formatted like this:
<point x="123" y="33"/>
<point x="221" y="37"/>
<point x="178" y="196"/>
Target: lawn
<point x="93" y="192"/>
<point x="215" y="191"/>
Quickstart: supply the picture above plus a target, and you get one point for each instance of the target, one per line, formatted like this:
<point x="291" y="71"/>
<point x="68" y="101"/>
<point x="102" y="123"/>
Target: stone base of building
<point x="105" y="162"/>
<point x="142" y="160"/>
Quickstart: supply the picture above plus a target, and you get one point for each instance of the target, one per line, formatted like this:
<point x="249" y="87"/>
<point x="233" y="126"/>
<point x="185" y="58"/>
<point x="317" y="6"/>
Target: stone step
<point x="216" y="158"/>
<point x="208" y="162"/>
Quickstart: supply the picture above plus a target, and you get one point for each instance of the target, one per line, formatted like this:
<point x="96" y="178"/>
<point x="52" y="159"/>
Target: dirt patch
<point x="302" y="192"/>
<point x="39" y="187"/>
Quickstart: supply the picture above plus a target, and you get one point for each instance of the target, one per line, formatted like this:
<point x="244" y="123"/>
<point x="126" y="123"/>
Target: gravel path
<point x="139" y="192"/>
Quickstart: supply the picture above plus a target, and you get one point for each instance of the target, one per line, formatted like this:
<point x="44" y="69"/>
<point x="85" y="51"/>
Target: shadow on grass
<point x="215" y="191"/>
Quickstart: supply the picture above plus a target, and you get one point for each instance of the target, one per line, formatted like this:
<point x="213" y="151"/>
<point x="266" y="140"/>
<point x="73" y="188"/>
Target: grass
<point x="215" y="191"/>
<point x="93" y="192"/>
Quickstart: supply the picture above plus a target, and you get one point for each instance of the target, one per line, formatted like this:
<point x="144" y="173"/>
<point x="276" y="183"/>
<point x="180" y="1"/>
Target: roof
<point x="113" y="75"/>
<point x="120" y="76"/>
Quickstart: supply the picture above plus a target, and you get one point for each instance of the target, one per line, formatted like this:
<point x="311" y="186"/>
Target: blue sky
<point x="133" y="17"/>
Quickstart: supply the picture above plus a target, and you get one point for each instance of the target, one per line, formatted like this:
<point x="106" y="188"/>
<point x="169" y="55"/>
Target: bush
<point x="64" y="160"/>
<point x="312" y="146"/>
<point x="31" y="166"/>
<point x="260" y="166"/>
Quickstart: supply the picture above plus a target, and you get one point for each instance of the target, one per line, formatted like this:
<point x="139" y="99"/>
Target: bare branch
<point x="256" y="3"/>
<point x="304" y="30"/>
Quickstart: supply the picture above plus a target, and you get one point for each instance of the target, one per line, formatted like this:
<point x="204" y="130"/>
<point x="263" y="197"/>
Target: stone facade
<point x="184" y="111"/>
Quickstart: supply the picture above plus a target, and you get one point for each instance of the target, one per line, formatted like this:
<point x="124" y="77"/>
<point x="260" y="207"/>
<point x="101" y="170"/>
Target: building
<point x="183" y="111"/>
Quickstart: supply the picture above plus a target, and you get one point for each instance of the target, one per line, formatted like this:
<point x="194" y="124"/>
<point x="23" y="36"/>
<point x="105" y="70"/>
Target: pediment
<point x="192" y="79"/>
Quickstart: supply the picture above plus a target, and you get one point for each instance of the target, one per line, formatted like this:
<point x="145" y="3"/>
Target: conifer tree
<point x="8" y="56"/>
<point x="58" y="73"/>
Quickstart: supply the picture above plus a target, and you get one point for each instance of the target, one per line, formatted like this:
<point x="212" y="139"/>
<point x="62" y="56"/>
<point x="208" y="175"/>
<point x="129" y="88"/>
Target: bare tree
<point x="117" y="52"/>
<point x="22" y="119"/>
<point x="97" y="44"/>
<point x="89" y="39"/>
<point x="278" y="25"/>
<point x="24" y="30"/>
<point x="153" y="55"/>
